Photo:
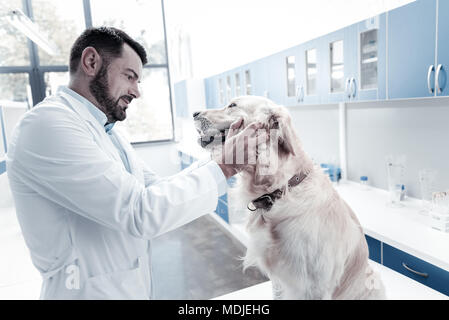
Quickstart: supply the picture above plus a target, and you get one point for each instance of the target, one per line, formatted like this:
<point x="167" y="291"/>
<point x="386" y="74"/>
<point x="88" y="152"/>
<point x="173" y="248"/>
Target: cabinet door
<point x="276" y="75"/>
<point x="416" y="269"/>
<point x="340" y="64"/>
<point x="374" y="249"/>
<point x="371" y="58"/>
<point x="247" y="80"/>
<point x="260" y="71"/>
<point x="411" y="49"/>
<point x="300" y="74"/>
<point x="443" y="46"/>
<point x="313" y="56"/>
<point x="210" y="92"/>
<point x="289" y="82"/>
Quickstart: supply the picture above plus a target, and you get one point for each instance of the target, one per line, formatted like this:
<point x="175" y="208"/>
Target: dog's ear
<point x="281" y="126"/>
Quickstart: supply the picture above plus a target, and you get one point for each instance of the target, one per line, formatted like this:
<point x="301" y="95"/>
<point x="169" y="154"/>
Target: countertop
<point x="404" y="228"/>
<point x="397" y="287"/>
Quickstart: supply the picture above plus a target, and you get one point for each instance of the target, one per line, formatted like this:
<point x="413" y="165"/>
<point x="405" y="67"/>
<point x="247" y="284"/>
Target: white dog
<point x="303" y="236"/>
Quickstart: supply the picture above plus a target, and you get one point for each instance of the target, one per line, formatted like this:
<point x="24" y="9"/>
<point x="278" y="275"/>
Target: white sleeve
<point x="215" y="171"/>
<point x="57" y="156"/>
<point x="149" y="175"/>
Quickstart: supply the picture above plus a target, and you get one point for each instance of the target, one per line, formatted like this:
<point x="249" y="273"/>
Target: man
<point x="87" y="206"/>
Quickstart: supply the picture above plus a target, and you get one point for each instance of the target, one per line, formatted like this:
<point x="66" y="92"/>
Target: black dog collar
<point x="267" y="200"/>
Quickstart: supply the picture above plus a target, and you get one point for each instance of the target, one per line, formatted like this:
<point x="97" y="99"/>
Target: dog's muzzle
<point x="206" y="140"/>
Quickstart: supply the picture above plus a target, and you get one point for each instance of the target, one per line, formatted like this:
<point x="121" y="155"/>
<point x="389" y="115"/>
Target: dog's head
<point x="213" y="125"/>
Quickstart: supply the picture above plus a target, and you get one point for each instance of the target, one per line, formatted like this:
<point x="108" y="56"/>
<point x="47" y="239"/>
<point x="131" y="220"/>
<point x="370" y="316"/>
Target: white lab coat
<point x="86" y="221"/>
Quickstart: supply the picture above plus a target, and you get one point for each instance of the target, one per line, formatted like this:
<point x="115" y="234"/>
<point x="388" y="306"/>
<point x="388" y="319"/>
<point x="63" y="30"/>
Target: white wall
<point x="226" y="34"/>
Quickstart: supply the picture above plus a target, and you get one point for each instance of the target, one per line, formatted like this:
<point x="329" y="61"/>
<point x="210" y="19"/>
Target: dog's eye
<point x="232" y="105"/>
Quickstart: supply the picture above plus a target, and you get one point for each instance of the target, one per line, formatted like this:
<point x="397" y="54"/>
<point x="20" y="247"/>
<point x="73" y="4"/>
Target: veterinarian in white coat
<point x="87" y="206"/>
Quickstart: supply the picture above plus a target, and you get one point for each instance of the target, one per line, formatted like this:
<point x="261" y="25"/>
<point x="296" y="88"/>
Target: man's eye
<point x="232" y="105"/>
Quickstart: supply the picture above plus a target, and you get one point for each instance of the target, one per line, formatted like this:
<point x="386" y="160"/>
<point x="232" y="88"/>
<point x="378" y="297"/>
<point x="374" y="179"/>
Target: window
<point x="53" y="80"/>
<point x="337" y="66"/>
<point x="311" y="71"/>
<point x="368" y="59"/>
<point x="14" y="46"/>
<point x="221" y="91"/>
<point x="291" y="76"/>
<point x="142" y="20"/>
<point x="237" y="85"/>
<point x="228" y="88"/>
<point x="149" y="118"/>
<point x="248" y="82"/>
<point x="28" y="74"/>
<point x="15" y="87"/>
<point x="62" y="22"/>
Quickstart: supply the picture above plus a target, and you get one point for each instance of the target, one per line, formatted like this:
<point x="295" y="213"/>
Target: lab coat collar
<point x="93" y="110"/>
<point x="98" y="119"/>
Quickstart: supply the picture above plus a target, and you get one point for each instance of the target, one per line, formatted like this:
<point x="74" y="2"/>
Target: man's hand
<point x="240" y="147"/>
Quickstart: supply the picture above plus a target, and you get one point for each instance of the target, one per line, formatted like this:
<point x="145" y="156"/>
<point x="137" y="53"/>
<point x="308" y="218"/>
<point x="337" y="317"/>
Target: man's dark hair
<point x="107" y="41"/>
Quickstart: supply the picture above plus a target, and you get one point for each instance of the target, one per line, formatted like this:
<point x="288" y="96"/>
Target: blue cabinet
<point x="374" y="247"/>
<point x="312" y="76"/>
<point x="411" y="50"/>
<point x="300" y="79"/>
<point x="351" y="63"/>
<point x="442" y="66"/>
<point x="339" y="64"/>
<point x="277" y="84"/>
<point x="222" y="210"/>
<point x="211" y="91"/>
<point x="259" y="75"/>
<point x="397" y="54"/>
<point x="416" y="269"/>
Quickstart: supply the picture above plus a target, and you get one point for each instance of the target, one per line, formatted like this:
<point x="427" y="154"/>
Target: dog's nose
<point x="196" y="113"/>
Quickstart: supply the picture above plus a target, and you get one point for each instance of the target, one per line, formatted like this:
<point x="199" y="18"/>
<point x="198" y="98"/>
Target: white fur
<point x="310" y="244"/>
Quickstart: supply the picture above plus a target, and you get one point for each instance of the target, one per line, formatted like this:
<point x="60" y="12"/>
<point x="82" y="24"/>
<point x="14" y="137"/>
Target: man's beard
<point x="99" y="88"/>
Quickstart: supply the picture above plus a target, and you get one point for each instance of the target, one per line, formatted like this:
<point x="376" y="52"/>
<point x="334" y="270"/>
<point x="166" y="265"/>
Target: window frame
<point x="36" y="71"/>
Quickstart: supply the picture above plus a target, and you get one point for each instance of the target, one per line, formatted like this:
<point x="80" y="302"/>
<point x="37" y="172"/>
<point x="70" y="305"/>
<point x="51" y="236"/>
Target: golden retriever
<point x="303" y="236"/>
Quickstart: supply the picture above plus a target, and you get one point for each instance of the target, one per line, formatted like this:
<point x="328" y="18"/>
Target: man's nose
<point x="134" y="91"/>
<point x="196" y="113"/>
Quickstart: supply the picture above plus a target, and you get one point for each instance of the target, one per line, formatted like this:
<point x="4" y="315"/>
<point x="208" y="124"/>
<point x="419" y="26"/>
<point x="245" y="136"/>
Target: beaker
<point x="427" y="179"/>
<point x="395" y="174"/>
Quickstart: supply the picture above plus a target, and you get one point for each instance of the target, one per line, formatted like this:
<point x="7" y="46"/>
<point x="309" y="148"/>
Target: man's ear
<point x="281" y="127"/>
<point x="90" y="61"/>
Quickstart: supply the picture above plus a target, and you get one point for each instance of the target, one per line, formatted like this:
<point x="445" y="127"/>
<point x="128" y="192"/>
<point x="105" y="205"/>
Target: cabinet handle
<point x="353" y="87"/>
<point x="299" y="93"/>
<point x="422" y="274"/>
<point x="437" y="78"/>
<point x="429" y="73"/>
<point x="348" y="82"/>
